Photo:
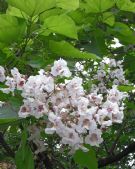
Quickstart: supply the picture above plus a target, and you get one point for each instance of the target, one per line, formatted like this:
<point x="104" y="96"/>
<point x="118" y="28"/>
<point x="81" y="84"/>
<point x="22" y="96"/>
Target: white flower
<point x="102" y="87"/>
<point x="116" y="43"/>
<point x="60" y="68"/>
<point x="101" y="74"/>
<point x="18" y="78"/>
<point x="86" y="122"/>
<point x="112" y="63"/>
<point x="75" y="87"/>
<point x="111" y="107"/>
<point x="71" y="137"/>
<point x="2" y="74"/>
<point x="60" y="100"/>
<point x="37" y="86"/>
<point x="118" y="118"/>
<point x="57" y="125"/>
<point x="54" y="118"/>
<point x="33" y="107"/>
<point x="116" y="82"/>
<point x="51" y="130"/>
<point x="79" y="66"/>
<point x="114" y="95"/>
<point x="20" y="83"/>
<point x="104" y="118"/>
<point x="29" y="88"/>
<point x="105" y="60"/>
<point x="10" y="82"/>
<point x="41" y="72"/>
<point x="15" y="73"/>
<point x="94" y="138"/>
<point x="48" y="84"/>
<point x="82" y="105"/>
<point x="24" y="111"/>
<point x="92" y="111"/>
<point x="95" y="99"/>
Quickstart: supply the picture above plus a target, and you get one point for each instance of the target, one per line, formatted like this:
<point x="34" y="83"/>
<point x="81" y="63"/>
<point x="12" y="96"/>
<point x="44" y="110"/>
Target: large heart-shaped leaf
<point x="86" y="159"/>
<point x="61" y="24"/>
<point x="51" y="12"/>
<point x="108" y="18"/>
<point x="97" y="6"/>
<point x="123" y="33"/>
<point x="11" y="28"/>
<point x="126" y="5"/>
<point x="64" y="48"/>
<point x="68" y="4"/>
<point x="16" y="12"/>
<point x="32" y="7"/>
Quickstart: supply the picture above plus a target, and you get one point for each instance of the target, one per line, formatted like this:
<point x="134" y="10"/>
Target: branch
<point x="117" y="138"/>
<point x="6" y="146"/>
<point x="42" y="159"/>
<point x="115" y="158"/>
<point x="46" y="160"/>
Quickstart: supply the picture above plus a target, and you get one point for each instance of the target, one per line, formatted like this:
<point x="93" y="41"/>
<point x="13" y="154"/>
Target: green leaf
<point x="129" y="62"/>
<point x="7" y="114"/>
<point x="32" y="7"/>
<point x="5" y="121"/>
<point x="131" y="105"/>
<point x="97" y="45"/>
<point x="24" y="138"/>
<point x="86" y="159"/>
<point x="24" y="158"/>
<point x="123" y="33"/>
<point x="79" y="17"/>
<point x="36" y="61"/>
<point x="16" y="12"/>
<point x="2" y="57"/>
<point x="51" y="12"/>
<point x="97" y="6"/>
<point x="125" y="88"/>
<point x="68" y="4"/>
<point x="11" y="28"/>
<point x="64" y="48"/>
<point x="9" y="110"/>
<point x="108" y="18"/>
<point x="126" y="5"/>
<point x="61" y="24"/>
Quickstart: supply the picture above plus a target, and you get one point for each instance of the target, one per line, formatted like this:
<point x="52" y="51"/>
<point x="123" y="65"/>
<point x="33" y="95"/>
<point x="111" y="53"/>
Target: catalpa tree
<point x="67" y="84"/>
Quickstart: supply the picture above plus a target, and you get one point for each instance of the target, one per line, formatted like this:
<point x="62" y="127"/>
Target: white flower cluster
<point x="78" y="117"/>
<point x="17" y="80"/>
<point x="109" y="72"/>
